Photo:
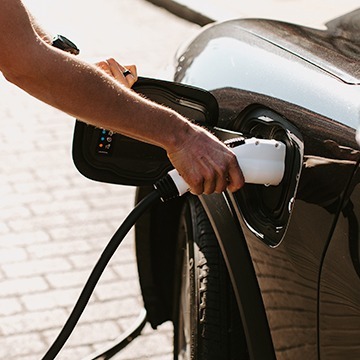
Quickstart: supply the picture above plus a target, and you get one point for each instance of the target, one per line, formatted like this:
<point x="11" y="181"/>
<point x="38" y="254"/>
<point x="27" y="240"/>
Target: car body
<point x="269" y="272"/>
<point x="292" y="252"/>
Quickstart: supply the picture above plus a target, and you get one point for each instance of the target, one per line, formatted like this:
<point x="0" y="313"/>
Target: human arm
<point x="44" y="35"/>
<point x="87" y="93"/>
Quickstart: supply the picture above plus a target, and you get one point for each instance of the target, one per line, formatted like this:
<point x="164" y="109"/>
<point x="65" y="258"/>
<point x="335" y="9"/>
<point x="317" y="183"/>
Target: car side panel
<point x="339" y="309"/>
<point x="288" y="274"/>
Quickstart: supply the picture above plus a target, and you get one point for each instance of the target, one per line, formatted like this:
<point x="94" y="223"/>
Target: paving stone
<point x="12" y="255"/>
<point x="36" y="267"/>
<point x="23" y="238"/>
<point x="14" y="346"/>
<point x="9" y="306"/>
<point x="76" y="278"/>
<point x="140" y="348"/>
<point x="88" y="334"/>
<point x="58" y="248"/>
<point x="33" y="223"/>
<point x="17" y="286"/>
<point x="117" y="290"/>
<point x="114" y="309"/>
<point x="32" y="322"/>
<point x="50" y="299"/>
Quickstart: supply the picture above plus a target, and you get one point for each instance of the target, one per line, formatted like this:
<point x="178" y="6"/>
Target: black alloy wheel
<point x="207" y="324"/>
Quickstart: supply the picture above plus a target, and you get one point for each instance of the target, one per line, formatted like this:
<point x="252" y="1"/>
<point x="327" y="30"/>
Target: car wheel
<point x="207" y="324"/>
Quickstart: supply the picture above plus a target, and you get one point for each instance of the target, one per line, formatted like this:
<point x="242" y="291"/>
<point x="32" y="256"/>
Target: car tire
<point x="207" y="325"/>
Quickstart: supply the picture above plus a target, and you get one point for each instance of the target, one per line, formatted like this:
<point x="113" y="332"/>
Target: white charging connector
<point x="262" y="161"/>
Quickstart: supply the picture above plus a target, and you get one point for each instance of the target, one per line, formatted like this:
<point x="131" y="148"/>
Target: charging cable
<point x="261" y="161"/>
<point x="96" y="273"/>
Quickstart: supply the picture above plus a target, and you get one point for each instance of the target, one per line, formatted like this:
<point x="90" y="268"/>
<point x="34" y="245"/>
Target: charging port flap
<point x="266" y="211"/>
<point x="101" y="155"/>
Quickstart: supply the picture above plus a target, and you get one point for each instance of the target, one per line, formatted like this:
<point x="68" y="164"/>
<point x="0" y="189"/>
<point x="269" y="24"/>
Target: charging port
<point x="267" y="210"/>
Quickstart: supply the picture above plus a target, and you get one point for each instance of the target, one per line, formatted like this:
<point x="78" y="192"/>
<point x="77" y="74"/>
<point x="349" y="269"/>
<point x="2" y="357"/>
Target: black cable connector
<point x="166" y="188"/>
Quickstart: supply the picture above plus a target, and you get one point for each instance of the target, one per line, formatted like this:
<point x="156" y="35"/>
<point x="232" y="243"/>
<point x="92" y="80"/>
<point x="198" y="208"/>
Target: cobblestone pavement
<point x="55" y="223"/>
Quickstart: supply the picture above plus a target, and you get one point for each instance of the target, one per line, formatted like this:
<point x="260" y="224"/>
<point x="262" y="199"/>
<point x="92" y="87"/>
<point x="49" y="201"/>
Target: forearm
<point x="83" y="91"/>
<point x="75" y="87"/>
<point x="44" y="35"/>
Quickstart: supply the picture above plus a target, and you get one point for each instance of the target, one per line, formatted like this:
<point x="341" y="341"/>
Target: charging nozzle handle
<point x="262" y="161"/>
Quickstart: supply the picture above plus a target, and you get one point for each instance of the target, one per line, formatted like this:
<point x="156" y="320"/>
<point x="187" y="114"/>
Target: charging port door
<point x="267" y="210"/>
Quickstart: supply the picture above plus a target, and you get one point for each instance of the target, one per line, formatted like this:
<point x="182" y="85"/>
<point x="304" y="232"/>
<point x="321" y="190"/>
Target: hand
<point x="206" y="164"/>
<point x="116" y="70"/>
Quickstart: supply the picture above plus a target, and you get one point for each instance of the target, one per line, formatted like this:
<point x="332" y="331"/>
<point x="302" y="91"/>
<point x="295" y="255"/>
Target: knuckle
<point x="223" y="170"/>
<point x="197" y="185"/>
<point x="209" y="174"/>
<point x="220" y="187"/>
<point x="197" y="181"/>
<point x="209" y="188"/>
<point x="234" y="186"/>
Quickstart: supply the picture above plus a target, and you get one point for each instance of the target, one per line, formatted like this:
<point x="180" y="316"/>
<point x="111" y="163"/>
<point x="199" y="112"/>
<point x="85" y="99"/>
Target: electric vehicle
<point x="268" y="272"/>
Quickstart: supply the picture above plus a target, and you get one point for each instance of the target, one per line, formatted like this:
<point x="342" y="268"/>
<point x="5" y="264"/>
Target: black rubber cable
<point x="96" y="273"/>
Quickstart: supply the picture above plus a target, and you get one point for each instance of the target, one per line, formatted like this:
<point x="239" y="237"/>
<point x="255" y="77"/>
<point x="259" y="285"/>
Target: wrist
<point x="178" y="133"/>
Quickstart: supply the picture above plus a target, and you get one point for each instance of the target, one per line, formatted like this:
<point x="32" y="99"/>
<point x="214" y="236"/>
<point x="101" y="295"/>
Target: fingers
<point x="104" y="66"/>
<point x="133" y="70"/>
<point x="232" y="181"/>
<point x="216" y="179"/>
<point x="225" y="175"/>
<point x="121" y="74"/>
<point x="235" y="178"/>
<point x="206" y="164"/>
<point x="125" y="75"/>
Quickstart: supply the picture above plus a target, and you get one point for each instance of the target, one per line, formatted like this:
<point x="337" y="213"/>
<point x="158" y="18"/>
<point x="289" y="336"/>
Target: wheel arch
<point x="156" y="251"/>
<point x="242" y="274"/>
